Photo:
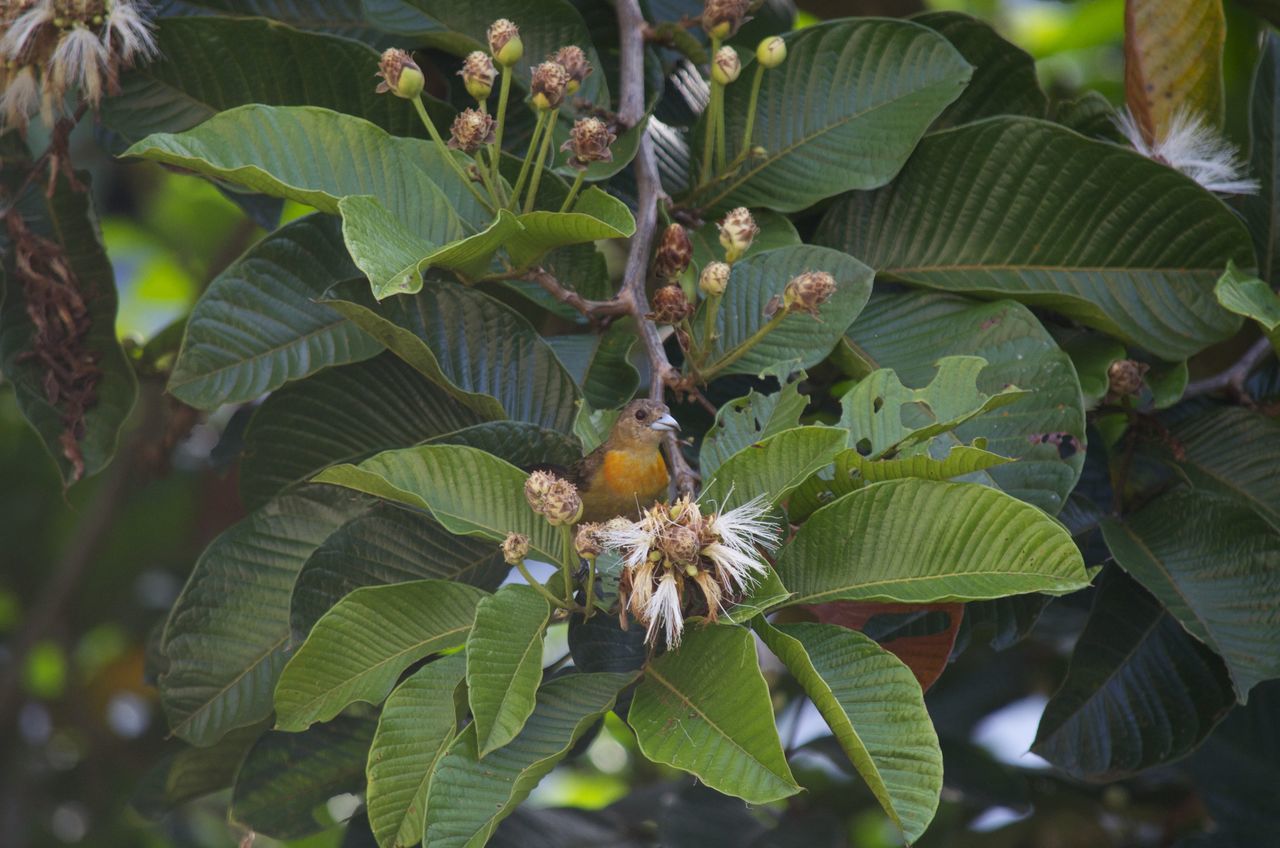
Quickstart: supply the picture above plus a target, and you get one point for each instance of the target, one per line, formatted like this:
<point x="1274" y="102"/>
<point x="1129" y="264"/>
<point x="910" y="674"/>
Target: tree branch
<point x="1232" y="378"/>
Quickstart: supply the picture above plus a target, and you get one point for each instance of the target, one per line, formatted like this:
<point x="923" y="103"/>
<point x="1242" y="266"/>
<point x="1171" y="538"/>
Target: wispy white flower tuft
<point x="130" y="32"/>
<point x="1191" y="146"/>
<point x="674" y="548"/>
<point x="20" y="36"/>
<point x="20" y="98"/>
<point x="79" y="59"/>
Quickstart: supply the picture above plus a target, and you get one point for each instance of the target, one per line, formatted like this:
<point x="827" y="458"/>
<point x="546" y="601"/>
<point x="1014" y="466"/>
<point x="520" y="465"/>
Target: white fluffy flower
<point x="79" y="59"/>
<point x="20" y="98"/>
<point x="18" y="37"/>
<point x="1191" y="146"/>
<point x="130" y="31"/>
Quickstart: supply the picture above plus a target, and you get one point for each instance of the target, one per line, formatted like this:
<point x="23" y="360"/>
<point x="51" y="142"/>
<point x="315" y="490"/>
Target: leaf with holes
<point x="748" y="420"/>
<point x="358" y="649"/>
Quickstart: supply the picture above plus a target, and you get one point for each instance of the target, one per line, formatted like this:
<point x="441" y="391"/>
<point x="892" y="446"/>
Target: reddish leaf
<point x="925" y="654"/>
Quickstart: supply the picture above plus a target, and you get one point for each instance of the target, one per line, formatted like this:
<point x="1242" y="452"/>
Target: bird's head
<point x="643" y="422"/>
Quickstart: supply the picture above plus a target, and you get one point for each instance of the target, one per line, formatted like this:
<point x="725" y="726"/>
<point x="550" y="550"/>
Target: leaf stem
<point x="528" y="159"/>
<point x="547" y="134"/>
<point x="591" y="588"/>
<point x="495" y="150"/>
<point x="447" y="154"/>
<point x="748" y="343"/>
<point x="721" y="147"/>
<point x="539" y="588"/>
<point x="711" y="308"/>
<point x="712" y="114"/>
<point x="567" y="206"/>
<point x="570" y="555"/>
<point x="751" y="116"/>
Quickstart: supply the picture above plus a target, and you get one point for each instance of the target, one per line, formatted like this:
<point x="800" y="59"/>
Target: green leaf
<point x="747" y="420"/>
<point x="800" y="340"/>
<point x="1140" y="691"/>
<point x="484" y="353"/>
<point x="1211" y="562"/>
<point x="469" y="796"/>
<point x="920" y="541"/>
<point x="704" y="708"/>
<point x="358" y="649"/>
<point x="1093" y="355"/>
<point x="417" y="724"/>
<point x="504" y="663"/>
<point x="518" y="442"/>
<point x="1260" y="210"/>
<point x="317" y="157"/>
<point x="1122" y="243"/>
<point x="776" y="230"/>
<point x="227" y="635"/>
<point x="257" y="325"/>
<point x="843" y="112"/>
<point x="192" y="773"/>
<point x="1004" y="76"/>
<point x="595" y="216"/>
<point x="387" y="544"/>
<point x="772" y="467"/>
<point x="600" y="644"/>
<point x="288" y="775"/>
<point x="875" y="708"/>
<point x="600" y="364"/>
<point x="1233" y="452"/>
<point x="958" y="461"/>
<point x="80" y="442"/>
<point x="911" y="332"/>
<point x="384" y="404"/>
<point x="1173" y="61"/>
<point x="190" y="80"/>
<point x="1090" y="114"/>
<point x="469" y="491"/>
<point x="1245" y="294"/>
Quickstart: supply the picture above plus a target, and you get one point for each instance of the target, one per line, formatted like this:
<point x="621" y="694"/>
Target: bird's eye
<point x="641" y="415"/>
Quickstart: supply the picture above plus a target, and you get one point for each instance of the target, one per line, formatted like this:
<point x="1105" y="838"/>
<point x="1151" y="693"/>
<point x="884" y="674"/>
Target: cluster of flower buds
<point x="1125" y="378"/>
<point x="589" y="142"/>
<point x="554" y="498"/>
<point x="400" y="74"/>
<point x="504" y="42"/>
<point x="471" y="130"/>
<point x="478" y="75"/>
<point x="803" y="293"/>
<point x="677" y="562"/>
<point x="670" y="305"/>
<point x="675" y="252"/>
<point x="723" y="18"/>
<point x="49" y="47"/>
<point x="737" y="231"/>
<point x="714" y="279"/>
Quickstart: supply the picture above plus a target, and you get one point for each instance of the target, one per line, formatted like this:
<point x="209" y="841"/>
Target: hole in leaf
<point x="877" y="404"/>
<point x="863" y="447"/>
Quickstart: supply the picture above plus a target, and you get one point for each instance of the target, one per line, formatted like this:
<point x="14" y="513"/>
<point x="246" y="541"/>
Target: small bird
<point x="627" y="473"/>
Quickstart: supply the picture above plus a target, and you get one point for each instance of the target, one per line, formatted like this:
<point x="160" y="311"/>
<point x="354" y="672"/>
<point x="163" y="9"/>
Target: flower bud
<point x="400" y="74"/>
<point x="574" y="61"/>
<point x="726" y="66"/>
<point x="805" y="293"/>
<point x="737" y="231"/>
<point x="675" y="251"/>
<point x="1125" y="377"/>
<point x="722" y="18"/>
<point x="550" y="81"/>
<point x="478" y="74"/>
<point x="771" y="52"/>
<point x="670" y="306"/>
<point x="471" y="130"/>
<point x="563" y="505"/>
<point x="714" y="279"/>
<point x="589" y="142"/>
<point x="505" y="43"/>
<point x="515" y="548"/>
<point x="538" y="488"/>
<point x="588" y="541"/>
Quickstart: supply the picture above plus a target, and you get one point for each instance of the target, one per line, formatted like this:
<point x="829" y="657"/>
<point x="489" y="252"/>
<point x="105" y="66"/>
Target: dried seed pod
<point x="563" y="505"/>
<point x="400" y="74"/>
<point x="722" y="18"/>
<point x="471" y="130"/>
<point x="675" y="252"/>
<point x="737" y="231"/>
<point x="714" y="279"/>
<point x="478" y="75"/>
<point x="670" y="306"/>
<point x="587" y="540"/>
<point x="515" y="548"/>
<point x="574" y="61"/>
<point x="1126" y="377"/>
<point x="725" y="66"/>
<point x="589" y="142"/>
<point x="505" y="43"/>
<point x="550" y="81"/>
<point x="805" y="293"/>
<point x="538" y="488"/>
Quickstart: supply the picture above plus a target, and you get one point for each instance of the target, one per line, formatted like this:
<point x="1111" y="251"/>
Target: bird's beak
<point x="666" y="423"/>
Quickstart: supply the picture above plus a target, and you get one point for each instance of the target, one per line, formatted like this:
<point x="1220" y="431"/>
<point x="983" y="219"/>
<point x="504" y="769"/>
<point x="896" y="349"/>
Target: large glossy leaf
<point x="1032" y="211"/>
<point x="340" y="17"/>
<point x="484" y="353"/>
<point x="469" y="796"/>
<point x="358" y="649"/>
<point x="1234" y="452"/>
<point x="1212" y="562"/>
<point x="747" y="420"/>
<point x="800" y="340"/>
<point x="1260" y="210"/>
<point x="317" y="157"/>
<point x="469" y="491"/>
<point x="192" y="773"/>
<point x="875" y="708"/>
<point x="388" y="544"/>
<point x="418" y="722"/>
<point x="194" y="77"/>
<point x="227" y="635"/>
<point x="1004" y="76"/>
<point x="919" y="541"/>
<point x="1247" y="295"/>
<point x="342" y="415"/>
<point x="910" y="332"/>
<point x="258" y="326"/>
<point x="80" y="445"/>
<point x="843" y="112"/>
<point x="772" y="467"/>
<point x="596" y="215"/>
<point x="600" y="364"/>
<point x="1140" y="691"/>
<point x="1173" y="61"/>
<point x="504" y="663"/>
<point x="286" y="776"/>
<point x="705" y="709"/>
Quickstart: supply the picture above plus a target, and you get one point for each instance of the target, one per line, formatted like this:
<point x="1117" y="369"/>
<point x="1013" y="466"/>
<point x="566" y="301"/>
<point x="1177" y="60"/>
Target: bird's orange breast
<point x="629" y="473"/>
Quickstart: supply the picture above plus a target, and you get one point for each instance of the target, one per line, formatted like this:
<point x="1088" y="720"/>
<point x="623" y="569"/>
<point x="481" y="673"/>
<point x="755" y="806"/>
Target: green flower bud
<point x="400" y="74"/>
<point x="478" y="75"/>
<point x="573" y="60"/>
<point x="714" y="279"/>
<point x="548" y="86"/>
<point x="505" y="43"/>
<point x="726" y="66"/>
<point x="771" y="51"/>
<point x="737" y="231"/>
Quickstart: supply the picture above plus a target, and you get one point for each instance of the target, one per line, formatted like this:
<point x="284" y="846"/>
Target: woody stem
<point x="447" y="154"/>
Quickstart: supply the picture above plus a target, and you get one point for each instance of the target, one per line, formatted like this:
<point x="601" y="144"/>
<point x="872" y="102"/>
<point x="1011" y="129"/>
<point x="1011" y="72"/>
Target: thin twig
<point x="591" y="308"/>
<point x="1232" y="378"/>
